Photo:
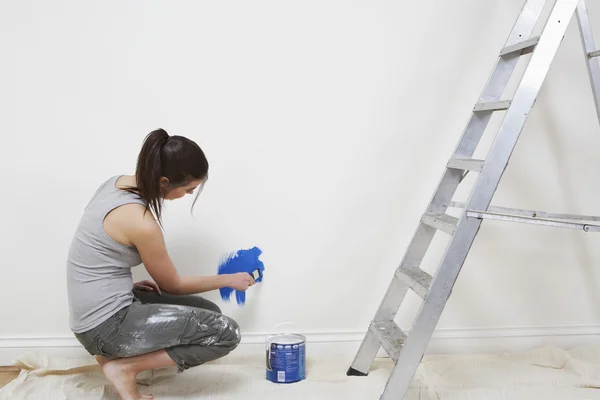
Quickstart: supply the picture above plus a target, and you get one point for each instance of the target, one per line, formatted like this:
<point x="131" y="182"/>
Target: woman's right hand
<point x="240" y="281"/>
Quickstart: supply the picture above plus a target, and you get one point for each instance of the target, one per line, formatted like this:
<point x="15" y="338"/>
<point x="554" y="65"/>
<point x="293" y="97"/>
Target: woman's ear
<point x="164" y="182"/>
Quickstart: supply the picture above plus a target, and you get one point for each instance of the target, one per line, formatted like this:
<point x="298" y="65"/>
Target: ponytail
<point x="176" y="158"/>
<point x="148" y="170"/>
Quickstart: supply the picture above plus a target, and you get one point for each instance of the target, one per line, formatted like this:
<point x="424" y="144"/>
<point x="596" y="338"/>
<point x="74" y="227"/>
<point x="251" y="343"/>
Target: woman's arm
<point x="147" y="237"/>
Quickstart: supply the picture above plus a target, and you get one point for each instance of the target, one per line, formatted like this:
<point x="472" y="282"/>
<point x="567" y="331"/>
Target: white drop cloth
<point x="547" y="373"/>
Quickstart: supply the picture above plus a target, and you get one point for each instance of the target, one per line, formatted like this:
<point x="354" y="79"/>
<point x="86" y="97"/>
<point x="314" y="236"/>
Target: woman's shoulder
<point x="131" y="214"/>
<point x="128" y="221"/>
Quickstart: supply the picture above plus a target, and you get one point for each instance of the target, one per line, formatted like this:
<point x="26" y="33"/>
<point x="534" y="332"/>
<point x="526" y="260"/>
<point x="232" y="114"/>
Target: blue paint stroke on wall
<point x="240" y="261"/>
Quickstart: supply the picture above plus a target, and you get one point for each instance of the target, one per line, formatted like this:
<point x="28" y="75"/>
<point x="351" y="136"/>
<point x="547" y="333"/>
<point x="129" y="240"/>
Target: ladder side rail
<point x="592" y="63"/>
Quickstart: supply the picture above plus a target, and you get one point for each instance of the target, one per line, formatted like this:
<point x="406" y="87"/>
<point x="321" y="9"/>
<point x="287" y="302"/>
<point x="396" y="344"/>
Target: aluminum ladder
<point x="407" y="349"/>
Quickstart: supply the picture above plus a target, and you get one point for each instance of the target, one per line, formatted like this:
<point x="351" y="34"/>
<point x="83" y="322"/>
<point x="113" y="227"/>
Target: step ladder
<point x="407" y="349"/>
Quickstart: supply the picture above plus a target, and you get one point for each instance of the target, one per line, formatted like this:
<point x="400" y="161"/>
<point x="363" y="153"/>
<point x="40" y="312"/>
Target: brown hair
<point x="176" y="158"/>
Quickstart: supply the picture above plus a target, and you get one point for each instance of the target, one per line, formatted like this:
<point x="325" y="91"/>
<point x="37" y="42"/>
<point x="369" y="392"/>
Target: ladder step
<point x="390" y="337"/>
<point x="417" y="279"/>
<point x="594" y="54"/>
<point x="492" y="106"/>
<point x="441" y="221"/>
<point x="466" y="164"/>
<point x="526" y="44"/>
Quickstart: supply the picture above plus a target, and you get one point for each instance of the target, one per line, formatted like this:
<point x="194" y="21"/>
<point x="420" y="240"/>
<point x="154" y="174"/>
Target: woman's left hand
<point x="147" y="286"/>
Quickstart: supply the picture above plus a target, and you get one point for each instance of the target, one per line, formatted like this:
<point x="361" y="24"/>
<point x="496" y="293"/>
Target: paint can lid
<point x="286" y="338"/>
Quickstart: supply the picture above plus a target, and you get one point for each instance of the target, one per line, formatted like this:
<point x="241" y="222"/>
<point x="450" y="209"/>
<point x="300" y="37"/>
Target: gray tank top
<point x="99" y="279"/>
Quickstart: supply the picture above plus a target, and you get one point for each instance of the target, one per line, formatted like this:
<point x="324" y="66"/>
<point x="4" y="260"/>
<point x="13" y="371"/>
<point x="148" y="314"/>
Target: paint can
<point x="286" y="357"/>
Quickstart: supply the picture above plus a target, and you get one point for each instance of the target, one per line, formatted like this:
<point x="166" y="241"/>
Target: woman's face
<point x="180" y="191"/>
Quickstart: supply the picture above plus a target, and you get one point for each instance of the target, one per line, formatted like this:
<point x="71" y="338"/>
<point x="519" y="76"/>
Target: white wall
<point x="327" y="125"/>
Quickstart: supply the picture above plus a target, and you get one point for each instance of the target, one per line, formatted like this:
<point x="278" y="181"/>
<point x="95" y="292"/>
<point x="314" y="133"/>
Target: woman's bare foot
<point x="123" y="371"/>
<point x="122" y="376"/>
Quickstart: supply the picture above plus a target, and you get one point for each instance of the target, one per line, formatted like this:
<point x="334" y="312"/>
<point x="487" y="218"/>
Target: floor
<point x="548" y="373"/>
<point x="7" y="374"/>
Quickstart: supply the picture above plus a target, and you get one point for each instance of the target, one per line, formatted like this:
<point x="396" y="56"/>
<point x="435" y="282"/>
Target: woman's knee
<point x="232" y="335"/>
<point x="207" y="349"/>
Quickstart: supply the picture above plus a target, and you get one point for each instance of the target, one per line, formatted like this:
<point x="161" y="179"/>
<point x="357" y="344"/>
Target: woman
<point x="135" y="327"/>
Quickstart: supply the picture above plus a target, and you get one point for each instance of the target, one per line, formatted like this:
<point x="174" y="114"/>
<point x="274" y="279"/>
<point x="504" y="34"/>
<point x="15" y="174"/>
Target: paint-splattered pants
<point x="191" y="329"/>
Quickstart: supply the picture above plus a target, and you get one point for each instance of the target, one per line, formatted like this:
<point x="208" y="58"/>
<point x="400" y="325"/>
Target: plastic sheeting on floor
<point x="546" y="373"/>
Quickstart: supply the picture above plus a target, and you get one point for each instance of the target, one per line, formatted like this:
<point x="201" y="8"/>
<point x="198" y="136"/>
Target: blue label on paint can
<point x="286" y="362"/>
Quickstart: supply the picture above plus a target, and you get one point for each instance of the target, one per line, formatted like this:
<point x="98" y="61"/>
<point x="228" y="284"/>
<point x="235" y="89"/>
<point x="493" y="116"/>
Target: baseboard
<point x="444" y="341"/>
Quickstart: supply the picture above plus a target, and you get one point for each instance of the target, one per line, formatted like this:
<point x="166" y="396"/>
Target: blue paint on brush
<point x="240" y="261"/>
